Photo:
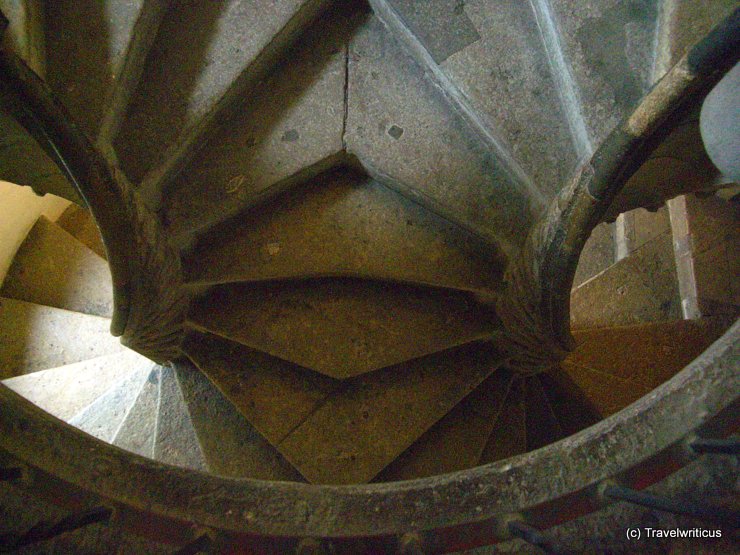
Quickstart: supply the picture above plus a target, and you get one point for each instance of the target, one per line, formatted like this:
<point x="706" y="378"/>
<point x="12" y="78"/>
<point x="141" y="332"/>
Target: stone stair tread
<point x="175" y="441"/>
<point x="347" y="440"/>
<point x="404" y="134"/>
<point x="231" y="445"/>
<point x="645" y="354"/>
<point x="569" y="403"/>
<point x="37" y="337"/>
<point x="608" y="394"/>
<point x="286" y="133"/>
<point x="53" y="268"/>
<point x="608" y="46"/>
<point x="23" y="162"/>
<point x="509" y="434"/>
<point x="205" y="54"/>
<point x="344" y="224"/>
<point x="542" y="423"/>
<point x="457" y="441"/>
<point x="104" y="416"/>
<point x="493" y="53"/>
<point x="137" y="431"/>
<point x="274" y="395"/>
<point x="643" y="287"/>
<point x="66" y="390"/>
<point x="342" y="327"/>
<point x="80" y="224"/>
<point x="86" y="43"/>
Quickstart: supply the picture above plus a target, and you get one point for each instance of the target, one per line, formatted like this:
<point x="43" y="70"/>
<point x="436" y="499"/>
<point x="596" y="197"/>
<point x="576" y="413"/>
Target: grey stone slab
<point x="104" y="416"/>
<point x="342" y="327"/>
<point x="609" y="47"/>
<point x="597" y="255"/>
<point x="66" y="390"/>
<point x="457" y="441"/>
<point x="493" y="52"/>
<point x="35" y="337"/>
<point x="344" y="223"/>
<point x="205" y="55"/>
<point x="640" y="288"/>
<point x="231" y="445"/>
<point x="176" y="441"/>
<point x="53" y="268"/>
<point x="347" y="440"/>
<point x="408" y="136"/>
<point x="136" y="433"/>
<point x="288" y="131"/>
<point x="509" y="435"/>
<point x="86" y="43"/>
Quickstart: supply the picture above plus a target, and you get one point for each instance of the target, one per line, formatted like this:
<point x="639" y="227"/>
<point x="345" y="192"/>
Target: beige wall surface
<point x="19" y="209"/>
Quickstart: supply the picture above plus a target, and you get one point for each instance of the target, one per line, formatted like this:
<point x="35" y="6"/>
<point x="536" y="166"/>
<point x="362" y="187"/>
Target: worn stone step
<point x="66" y="390"/>
<point x="342" y="327"/>
<point x="607" y="48"/>
<point x="80" y="224"/>
<point x="570" y="405"/>
<point x="490" y="60"/>
<point x="175" y="442"/>
<point x="36" y="337"/>
<point x="542" y="423"/>
<point x="645" y="355"/>
<point x="640" y="288"/>
<point x="231" y="445"/>
<point x="345" y="224"/>
<point x="87" y="42"/>
<point x="457" y="441"/>
<point x="274" y="395"/>
<point x="104" y="416"/>
<point x="404" y="133"/>
<point x="509" y="435"/>
<point x="206" y="55"/>
<point x="281" y="136"/>
<point x="23" y="162"/>
<point x="53" y="268"/>
<point x="137" y="432"/>
<point x="347" y="440"/>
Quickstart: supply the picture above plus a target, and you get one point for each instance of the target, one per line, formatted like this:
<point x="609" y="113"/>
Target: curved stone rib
<point x="344" y="224"/>
<point x="342" y="327"/>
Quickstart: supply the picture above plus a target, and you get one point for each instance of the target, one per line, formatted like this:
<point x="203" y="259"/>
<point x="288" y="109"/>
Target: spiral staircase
<point x="345" y="247"/>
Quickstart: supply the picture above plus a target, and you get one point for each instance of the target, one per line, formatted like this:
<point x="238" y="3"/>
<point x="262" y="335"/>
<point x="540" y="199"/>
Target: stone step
<point x="274" y="395"/>
<point x="205" y="56"/>
<point x="542" y="423"/>
<point x="80" y="224"/>
<point x="138" y="430"/>
<point x="491" y="62"/>
<point x="36" y="337"/>
<point x="570" y="405"/>
<point x="509" y="435"/>
<point x="106" y="414"/>
<point x="615" y="366"/>
<point x="87" y="46"/>
<point x="370" y="420"/>
<point x="279" y="137"/>
<point x="607" y="50"/>
<point x="231" y="445"/>
<point x="175" y="441"/>
<point x="640" y="288"/>
<point x="53" y="268"/>
<point x="66" y="390"/>
<point x="345" y="224"/>
<point x="342" y="327"/>
<point x="23" y="162"/>
<point x="405" y="134"/>
<point x="457" y="441"/>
